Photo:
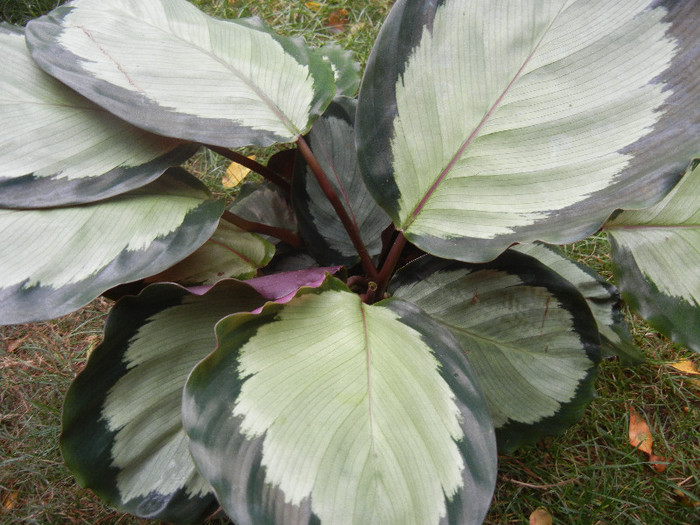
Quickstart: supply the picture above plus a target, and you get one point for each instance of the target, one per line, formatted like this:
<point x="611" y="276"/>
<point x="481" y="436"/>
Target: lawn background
<point x="589" y="476"/>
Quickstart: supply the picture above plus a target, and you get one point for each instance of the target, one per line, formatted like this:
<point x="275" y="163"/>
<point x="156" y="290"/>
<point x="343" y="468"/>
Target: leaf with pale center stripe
<point x="656" y="257"/>
<point x="602" y="297"/>
<point x="328" y="410"/>
<point x="56" y="260"/>
<point x="482" y="123"/>
<point x="527" y="332"/>
<point x="166" y="67"/>
<point x="59" y="148"/>
<point x="122" y="427"/>
<point x="332" y="141"/>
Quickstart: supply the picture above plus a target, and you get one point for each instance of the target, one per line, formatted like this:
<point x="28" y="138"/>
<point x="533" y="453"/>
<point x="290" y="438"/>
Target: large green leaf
<point x="482" y="123"/>
<point x="165" y="66"/>
<point x="656" y="256"/>
<point x="332" y="140"/>
<point x="603" y="299"/>
<point x="329" y="410"/>
<point x="58" y="148"/>
<point x="122" y="429"/>
<point x="56" y="260"/>
<point x="527" y="332"/>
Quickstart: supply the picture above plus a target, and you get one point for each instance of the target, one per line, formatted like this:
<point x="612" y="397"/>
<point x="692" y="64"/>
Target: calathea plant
<point x="352" y="340"/>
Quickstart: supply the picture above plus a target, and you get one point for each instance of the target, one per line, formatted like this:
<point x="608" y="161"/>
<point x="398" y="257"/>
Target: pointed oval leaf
<point x="656" y="256"/>
<point x="602" y="297"/>
<point x="58" y="148"/>
<point x="332" y="140"/>
<point x="328" y="410"/>
<point x="168" y="68"/>
<point x="122" y="431"/>
<point x="229" y="253"/>
<point x="485" y="123"/>
<point x="57" y="260"/>
<point x="528" y="333"/>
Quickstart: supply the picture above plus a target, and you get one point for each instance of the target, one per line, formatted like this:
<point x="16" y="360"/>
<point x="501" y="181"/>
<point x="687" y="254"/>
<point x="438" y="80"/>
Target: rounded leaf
<point x="122" y="427"/>
<point x="328" y="410"/>
<point x="485" y="123"/>
<point x="236" y="83"/>
<point x="527" y="332"/>
<point x="59" y="259"/>
<point x="58" y="148"/>
<point x="602" y="297"/>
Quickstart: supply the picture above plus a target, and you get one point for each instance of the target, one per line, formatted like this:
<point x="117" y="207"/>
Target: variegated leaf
<point x="345" y="69"/>
<point x="56" y="260"/>
<point x="229" y="252"/>
<point x="165" y="66"/>
<point x="58" y="148"/>
<point x="264" y="203"/>
<point x="602" y="297"/>
<point x="656" y="256"/>
<point x="122" y="427"/>
<point x="327" y="410"/>
<point x="482" y="123"/>
<point x="332" y="141"/>
<point x="527" y="332"/>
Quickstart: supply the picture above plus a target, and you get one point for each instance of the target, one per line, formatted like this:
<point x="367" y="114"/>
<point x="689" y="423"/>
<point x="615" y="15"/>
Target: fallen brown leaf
<point x="337" y="20"/>
<point x="685" y="500"/>
<point x="640" y="437"/>
<point x="639" y="433"/>
<point x="13" y="345"/>
<point x="659" y="463"/>
<point x="10" y="500"/>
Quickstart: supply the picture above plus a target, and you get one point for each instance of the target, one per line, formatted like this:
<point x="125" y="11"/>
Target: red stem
<point x="388" y="267"/>
<point x="256" y="227"/>
<point x="333" y="198"/>
<point x="258" y="168"/>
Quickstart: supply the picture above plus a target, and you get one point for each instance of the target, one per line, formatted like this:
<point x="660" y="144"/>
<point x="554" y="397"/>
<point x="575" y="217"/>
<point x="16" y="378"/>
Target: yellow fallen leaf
<point x="540" y="517"/>
<point x="639" y="433"/>
<point x="313" y="6"/>
<point x="687" y="367"/>
<point x="235" y="174"/>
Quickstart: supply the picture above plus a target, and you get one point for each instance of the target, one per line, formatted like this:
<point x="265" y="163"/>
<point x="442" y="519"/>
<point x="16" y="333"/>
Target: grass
<point x="590" y="475"/>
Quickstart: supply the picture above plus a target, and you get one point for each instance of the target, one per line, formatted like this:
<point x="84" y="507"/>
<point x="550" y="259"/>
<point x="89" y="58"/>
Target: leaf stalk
<point x="252" y="165"/>
<point x="335" y="201"/>
<point x="265" y="229"/>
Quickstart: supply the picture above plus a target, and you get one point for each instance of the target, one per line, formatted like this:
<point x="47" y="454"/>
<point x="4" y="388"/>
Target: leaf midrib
<point x="494" y="342"/>
<point x="419" y="207"/>
<point x="273" y="107"/>
<point x="368" y="363"/>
